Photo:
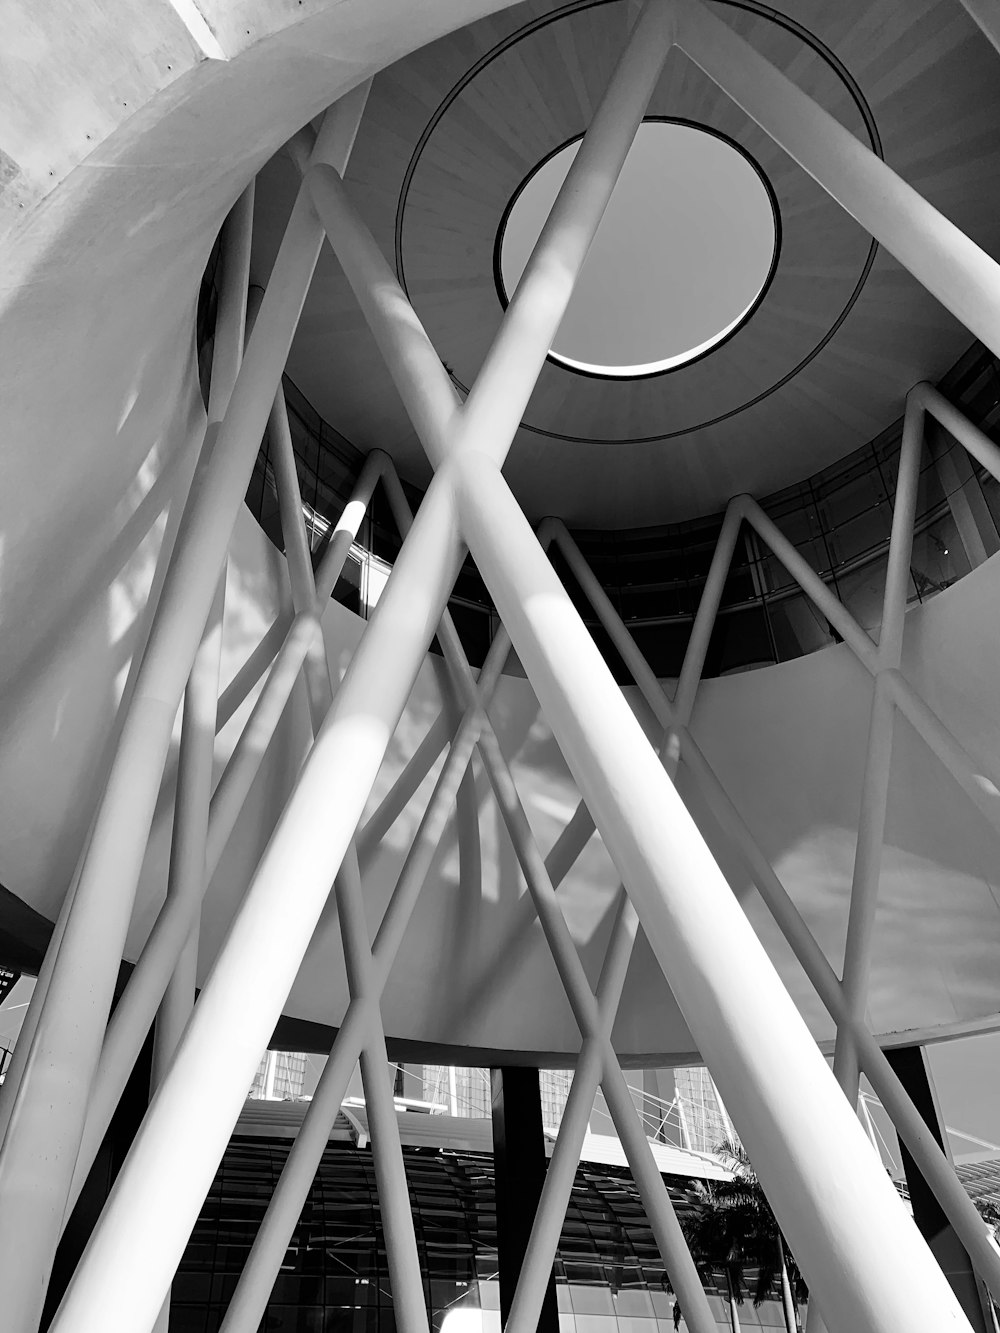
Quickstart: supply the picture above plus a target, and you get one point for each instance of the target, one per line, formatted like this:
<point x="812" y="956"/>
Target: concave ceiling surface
<point x="823" y="363"/>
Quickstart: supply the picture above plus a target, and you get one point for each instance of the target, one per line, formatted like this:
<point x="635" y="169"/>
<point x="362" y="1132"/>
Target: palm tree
<point x="715" y="1234"/>
<point x="734" y="1229"/>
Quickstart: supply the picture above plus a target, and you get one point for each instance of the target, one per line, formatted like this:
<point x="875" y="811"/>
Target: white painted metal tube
<point x="656" y="1200"/>
<point x="570" y="843"/>
<point x="504" y="384"/>
<point x="175" y="508"/>
<point x="258" y="661"/>
<point x="132" y="1017"/>
<point x="250" y="1298"/>
<point x="986" y="13"/>
<point x="810" y="582"/>
<point x="878" y="759"/>
<point x="186" y="872"/>
<point x="925" y="1150"/>
<point x="47" y="1116"/>
<point x="904" y="509"/>
<point x="135" y="1248"/>
<point x="134" y="1012"/>
<point x="428" y="395"/>
<point x="859" y="1250"/>
<point x="969" y="436"/>
<point x="409" y="1306"/>
<point x="331" y="566"/>
<point x="673" y="1247"/>
<point x="298" y="557"/>
<point x="253" y="1290"/>
<point x="403" y="789"/>
<point x="952" y="267"/>
<point x="582" y="1000"/>
<point x="420" y="763"/>
<point x="977" y="778"/>
<point x="561" y="1173"/>
<point x="696" y="651"/>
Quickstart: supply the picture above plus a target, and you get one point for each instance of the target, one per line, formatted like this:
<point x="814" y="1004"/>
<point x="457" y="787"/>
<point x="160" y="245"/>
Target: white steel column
<point x="940" y="256"/>
<point x="246" y="1309"/>
<point x="910" y="1125"/>
<point x="46" y="1118"/>
<point x="861" y="1253"/>
<point x="331" y="567"/>
<point x="878" y="762"/>
<point x="297" y="554"/>
<point x="585" y="1005"/>
<point x="588" y="1075"/>
<point x="493" y="409"/>
<point x="138" y="1242"/>
<point x="186" y="874"/>
<point x="136" y="1246"/>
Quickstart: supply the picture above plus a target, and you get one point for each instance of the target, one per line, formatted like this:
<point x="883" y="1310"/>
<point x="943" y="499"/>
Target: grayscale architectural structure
<point x="498" y="566"/>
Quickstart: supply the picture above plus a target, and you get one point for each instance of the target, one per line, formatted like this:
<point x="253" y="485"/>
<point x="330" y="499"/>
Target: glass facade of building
<point x="704" y="1122"/>
<point x="839" y="521"/>
<point x="280" y="1075"/>
<point x="335" y="1279"/>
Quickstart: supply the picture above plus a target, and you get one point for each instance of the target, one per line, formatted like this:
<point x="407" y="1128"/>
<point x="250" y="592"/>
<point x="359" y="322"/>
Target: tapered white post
<point x="585" y="1006"/>
<point x="987" y="15"/>
<point x="300" y="571"/>
<point x="186" y="874"/>
<point x="953" y="268"/>
<point x="331" y="566"/>
<point x="979" y="779"/>
<point x="561" y="1173"/>
<point x="134" y="1012"/>
<point x="878" y="761"/>
<point x="493" y="409"/>
<point x="246" y="1309"/>
<point x="911" y="1127"/>
<point x="140" y="1237"/>
<point x="175" y="508"/>
<point x="862" y="1255"/>
<point x="46" y="1119"/>
<point x="409" y="1306"/>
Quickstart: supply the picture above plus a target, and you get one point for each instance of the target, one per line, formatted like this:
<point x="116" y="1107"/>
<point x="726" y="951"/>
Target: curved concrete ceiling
<point x="822" y="365"/>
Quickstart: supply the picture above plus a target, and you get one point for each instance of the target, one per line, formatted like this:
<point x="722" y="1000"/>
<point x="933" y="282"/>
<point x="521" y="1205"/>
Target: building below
<point x="280" y="1076"/>
<point x="609" y="1276"/>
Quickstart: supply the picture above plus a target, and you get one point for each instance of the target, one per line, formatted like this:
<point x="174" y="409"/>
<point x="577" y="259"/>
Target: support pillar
<point x="110" y="1154"/>
<point x="910" y="1066"/>
<point x="519" y="1168"/>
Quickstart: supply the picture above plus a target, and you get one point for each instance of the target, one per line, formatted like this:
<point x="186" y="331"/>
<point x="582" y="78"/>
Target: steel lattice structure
<point x="861" y="1253"/>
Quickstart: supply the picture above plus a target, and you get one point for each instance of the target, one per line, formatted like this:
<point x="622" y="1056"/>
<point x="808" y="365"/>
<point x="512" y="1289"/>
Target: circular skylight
<point x="681" y="258"/>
